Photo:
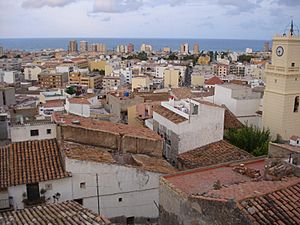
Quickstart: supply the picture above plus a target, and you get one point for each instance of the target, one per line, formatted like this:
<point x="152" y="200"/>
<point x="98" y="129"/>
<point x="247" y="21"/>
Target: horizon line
<point x="175" y="38"/>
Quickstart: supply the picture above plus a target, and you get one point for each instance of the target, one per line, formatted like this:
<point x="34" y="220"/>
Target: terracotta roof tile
<point x="173" y="117"/>
<point x="214" y="153"/>
<point x="68" y="212"/>
<point x="102" y="155"/>
<point x="230" y="120"/>
<point x="30" y="162"/>
<point x="82" y="101"/>
<point x="214" y="80"/>
<point x="295" y="138"/>
<point x="278" y="207"/>
<point x="115" y="128"/>
<point x="53" y="103"/>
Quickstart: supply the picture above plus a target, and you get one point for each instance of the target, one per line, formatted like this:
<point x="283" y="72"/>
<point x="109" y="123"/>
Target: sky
<point x="218" y="19"/>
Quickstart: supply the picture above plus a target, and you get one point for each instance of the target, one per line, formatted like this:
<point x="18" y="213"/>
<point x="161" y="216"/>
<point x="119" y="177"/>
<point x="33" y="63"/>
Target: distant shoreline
<point x="35" y="44"/>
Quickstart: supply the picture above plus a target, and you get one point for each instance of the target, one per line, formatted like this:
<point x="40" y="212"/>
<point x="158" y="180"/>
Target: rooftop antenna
<point x="291" y="29"/>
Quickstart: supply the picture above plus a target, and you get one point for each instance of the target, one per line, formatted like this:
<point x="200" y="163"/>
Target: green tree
<point x="244" y="58"/>
<point x="249" y="138"/>
<point x="142" y="56"/>
<point x="71" y="90"/>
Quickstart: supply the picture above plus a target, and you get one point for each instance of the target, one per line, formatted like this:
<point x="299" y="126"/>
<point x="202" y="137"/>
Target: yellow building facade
<point x="140" y="82"/>
<point x="281" y="112"/>
<point x="197" y="81"/>
<point x="97" y="65"/>
<point x="204" y="60"/>
<point x="171" y="78"/>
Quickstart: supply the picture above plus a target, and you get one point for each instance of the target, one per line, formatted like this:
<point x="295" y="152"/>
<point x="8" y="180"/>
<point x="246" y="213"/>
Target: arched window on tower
<point x="296" y="104"/>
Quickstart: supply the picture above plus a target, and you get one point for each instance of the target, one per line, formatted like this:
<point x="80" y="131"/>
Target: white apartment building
<point x="31" y="72"/>
<point x="33" y="130"/>
<point x="10" y="77"/>
<point x="126" y="76"/>
<point x="187" y="124"/>
<point x="124" y="190"/>
<point x="241" y="101"/>
<point x="81" y="106"/>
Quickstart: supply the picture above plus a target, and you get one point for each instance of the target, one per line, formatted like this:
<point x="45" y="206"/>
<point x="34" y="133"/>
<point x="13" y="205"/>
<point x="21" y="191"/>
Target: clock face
<point x="279" y="51"/>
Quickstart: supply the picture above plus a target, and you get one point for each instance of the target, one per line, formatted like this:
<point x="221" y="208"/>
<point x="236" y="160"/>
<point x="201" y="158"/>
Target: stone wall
<point x="179" y="209"/>
<point x="112" y="141"/>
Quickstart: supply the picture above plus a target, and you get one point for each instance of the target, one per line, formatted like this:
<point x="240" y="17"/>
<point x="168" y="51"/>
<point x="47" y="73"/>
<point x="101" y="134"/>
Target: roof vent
<point x="76" y="122"/>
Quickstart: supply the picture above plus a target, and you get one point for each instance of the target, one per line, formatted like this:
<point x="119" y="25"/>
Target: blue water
<point x="31" y="44"/>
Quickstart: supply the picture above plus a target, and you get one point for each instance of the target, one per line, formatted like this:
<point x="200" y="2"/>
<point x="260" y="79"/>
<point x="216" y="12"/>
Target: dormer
<point x="295" y="141"/>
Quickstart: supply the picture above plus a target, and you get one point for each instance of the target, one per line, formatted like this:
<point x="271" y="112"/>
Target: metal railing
<point x="6" y="204"/>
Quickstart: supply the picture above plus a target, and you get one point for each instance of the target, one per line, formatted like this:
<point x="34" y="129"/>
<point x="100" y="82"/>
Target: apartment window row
<point x="35" y="132"/>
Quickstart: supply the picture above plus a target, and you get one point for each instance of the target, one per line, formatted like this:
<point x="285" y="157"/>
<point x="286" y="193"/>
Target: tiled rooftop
<point x="184" y="93"/>
<point x="53" y="103"/>
<point x="82" y="101"/>
<point x="214" y="80"/>
<point x="250" y="189"/>
<point x="288" y="147"/>
<point x="70" y="213"/>
<point x="29" y="162"/>
<point x="278" y="207"/>
<point x="101" y="155"/>
<point x="214" y="153"/>
<point x="172" y="116"/>
<point x="105" y="126"/>
<point x="202" y="180"/>
<point x="230" y="120"/>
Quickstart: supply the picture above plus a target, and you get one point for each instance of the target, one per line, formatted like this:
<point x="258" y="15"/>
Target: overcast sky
<point x="235" y="19"/>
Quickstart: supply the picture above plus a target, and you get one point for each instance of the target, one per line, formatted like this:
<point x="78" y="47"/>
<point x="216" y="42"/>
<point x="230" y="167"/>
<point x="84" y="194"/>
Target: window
<point x="34" y="133"/>
<point x="83" y="185"/>
<point x="120" y="199"/>
<point x="48" y="131"/>
<point x="296" y="104"/>
<point x="293" y="64"/>
<point x="48" y="186"/>
<point x="275" y="81"/>
<point x="130" y="220"/>
<point x="79" y="200"/>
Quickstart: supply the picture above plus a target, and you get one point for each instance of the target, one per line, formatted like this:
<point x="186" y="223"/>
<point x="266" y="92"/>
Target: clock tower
<point x="281" y="108"/>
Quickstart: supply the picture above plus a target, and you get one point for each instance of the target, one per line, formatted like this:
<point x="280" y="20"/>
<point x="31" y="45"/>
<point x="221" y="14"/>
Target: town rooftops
<point x="102" y="155"/>
<point x="30" y="162"/>
<point x="295" y="138"/>
<point x="115" y="128"/>
<point x="184" y="92"/>
<point x="80" y="101"/>
<point x="230" y="120"/>
<point x="288" y="147"/>
<point x="232" y="181"/>
<point x="69" y="212"/>
<point x="53" y="103"/>
<point x="278" y="207"/>
<point x="214" y="153"/>
<point x="233" y="86"/>
<point x="213" y="81"/>
<point x="201" y="180"/>
<point x="168" y="114"/>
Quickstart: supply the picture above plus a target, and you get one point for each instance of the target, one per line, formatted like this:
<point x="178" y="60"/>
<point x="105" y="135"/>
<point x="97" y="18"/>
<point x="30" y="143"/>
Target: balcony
<point x="31" y="203"/>
<point x="6" y="205"/>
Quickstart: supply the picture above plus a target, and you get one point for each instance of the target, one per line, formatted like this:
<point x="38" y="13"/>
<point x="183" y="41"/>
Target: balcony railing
<point x="6" y="204"/>
<point x="40" y="201"/>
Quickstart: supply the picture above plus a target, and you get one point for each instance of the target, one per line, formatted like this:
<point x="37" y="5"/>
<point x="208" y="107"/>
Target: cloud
<point x="237" y="7"/>
<point x="116" y="6"/>
<point x="288" y="2"/>
<point x="106" y="19"/>
<point x="42" y="3"/>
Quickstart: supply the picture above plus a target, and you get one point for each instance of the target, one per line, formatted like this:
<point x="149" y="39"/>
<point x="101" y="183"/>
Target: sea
<point x="35" y="44"/>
